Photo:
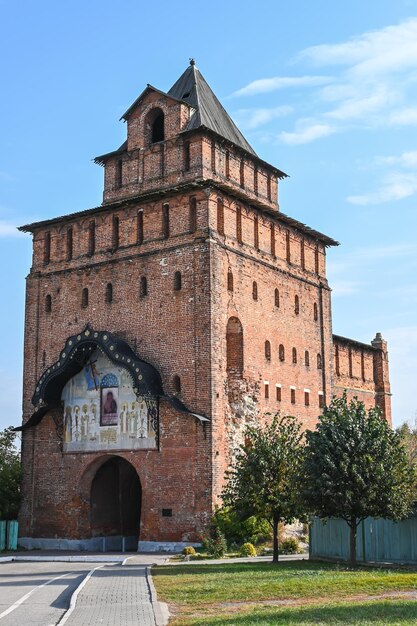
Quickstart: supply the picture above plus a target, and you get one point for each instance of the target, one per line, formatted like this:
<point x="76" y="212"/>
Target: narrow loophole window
<point x="176" y="383"/>
<point x="109" y="293"/>
<point x="220" y="216"/>
<point x="165" y="221"/>
<point x="193" y="214"/>
<point x="84" y="298"/>
<point x="69" y="243"/>
<point x="143" y="289"/>
<point x="267" y="350"/>
<point x="140" y="227"/>
<point x="292" y="396"/>
<point x="177" y="281"/>
<point x="115" y="239"/>
<point x="281" y="352"/>
<point x="255" y="290"/>
<point x="48" y="303"/>
<point x="242" y="173"/>
<point x="296" y="305"/>
<point x="229" y="281"/>
<point x="239" y="224"/>
<point x="187" y="162"/>
<point x="294" y="355"/>
<point x="91" y="238"/>
<point x="277" y="298"/>
<point x="266" y="390"/>
<point x="227" y="164"/>
<point x="315" y="312"/>
<point x="319" y="362"/>
<point x="118" y="174"/>
<point x="278" y="393"/>
<point x="306" y="398"/>
<point x="47" y="248"/>
<point x="307" y="358"/>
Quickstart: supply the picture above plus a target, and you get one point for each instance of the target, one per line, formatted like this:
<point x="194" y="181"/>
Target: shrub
<point x="290" y="545"/>
<point x="237" y="531"/>
<point x="189" y="550"/>
<point x="215" y="544"/>
<point x="248" y="549"/>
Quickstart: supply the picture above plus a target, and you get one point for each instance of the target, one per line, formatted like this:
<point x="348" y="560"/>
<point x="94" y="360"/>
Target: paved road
<point x="38" y="594"/>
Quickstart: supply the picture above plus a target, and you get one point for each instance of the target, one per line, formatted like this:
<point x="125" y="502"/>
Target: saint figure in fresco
<point x="92" y="376"/>
<point x="110" y="404"/>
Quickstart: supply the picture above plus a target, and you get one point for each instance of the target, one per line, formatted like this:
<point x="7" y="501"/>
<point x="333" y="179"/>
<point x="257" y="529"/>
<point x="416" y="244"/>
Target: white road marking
<point x="26" y="596"/>
<point x="74" y="596"/>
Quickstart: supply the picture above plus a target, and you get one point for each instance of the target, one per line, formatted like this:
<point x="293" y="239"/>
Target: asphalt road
<point x="38" y="594"/>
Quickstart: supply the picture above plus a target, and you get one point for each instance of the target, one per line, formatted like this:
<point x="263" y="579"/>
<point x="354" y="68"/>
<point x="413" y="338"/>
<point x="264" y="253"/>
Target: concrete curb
<point x="160" y="609"/>
<point x="64" y="559"/>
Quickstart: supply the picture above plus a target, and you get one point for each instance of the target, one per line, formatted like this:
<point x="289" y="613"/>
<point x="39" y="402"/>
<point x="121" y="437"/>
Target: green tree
<point x="10" y="475"/>
<point x="263" y="478"/>
<point x="356" y="467"/>
<point x="408" y="436"/>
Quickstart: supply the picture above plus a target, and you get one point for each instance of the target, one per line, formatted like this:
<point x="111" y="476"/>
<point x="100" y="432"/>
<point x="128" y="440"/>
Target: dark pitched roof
<point x="192" y="88"/>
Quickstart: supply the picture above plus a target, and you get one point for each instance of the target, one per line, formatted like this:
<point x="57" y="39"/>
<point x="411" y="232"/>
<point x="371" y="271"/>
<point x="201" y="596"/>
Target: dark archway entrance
<point x="116" y="496"/>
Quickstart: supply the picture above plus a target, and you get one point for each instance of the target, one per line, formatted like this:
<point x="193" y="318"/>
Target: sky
<point x="324" y="90"/>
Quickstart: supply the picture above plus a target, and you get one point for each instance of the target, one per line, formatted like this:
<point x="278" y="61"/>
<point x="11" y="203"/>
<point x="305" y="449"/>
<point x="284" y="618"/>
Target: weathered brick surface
<point x="183" y="333"/>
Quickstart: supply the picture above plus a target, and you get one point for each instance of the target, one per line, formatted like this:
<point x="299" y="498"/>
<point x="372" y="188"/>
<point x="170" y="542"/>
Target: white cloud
<point x="9" y="230"/>
<point x="395" y="185"/>
<point x="251" y="119"/>
<point x="404" y="117"/>
<point x="266" y="85"/>
<point x="307" y="133"/>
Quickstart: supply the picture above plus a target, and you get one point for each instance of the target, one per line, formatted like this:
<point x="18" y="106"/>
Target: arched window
<point x="156" y="125"/>
<point x="319" y="361"/>
<point x="48" y="303"/>
<point x="268" y="350"/>
<point x="296" y="305"/>
<point x="220" y="216"/>
<point x="294" y="355"/>
<point x="143" y="290"/>
<point x="277" y="298"/>
<point x="109" y="292"/>
<point x="315" y="312"/>
<point x="229" y="280"/>
<point x="177" y="281"/>
<point x="84" y="298"/>
<point x="307" y="358"/>
<point x="176" y="383"/>
<point x="193" y="214"/>
<point x="281" y="352"/>
<point x="234" y="348"/>
<point x="255" y="290"/>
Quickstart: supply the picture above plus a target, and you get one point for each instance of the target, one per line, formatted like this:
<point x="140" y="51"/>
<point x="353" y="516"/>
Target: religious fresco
<point x="102" y="412"/>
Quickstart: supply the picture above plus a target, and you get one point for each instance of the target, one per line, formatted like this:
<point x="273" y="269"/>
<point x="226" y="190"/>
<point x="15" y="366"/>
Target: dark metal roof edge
<point x="100" y="160"/>
<point x="360" y="344"/>
<point x="328" y="241"/>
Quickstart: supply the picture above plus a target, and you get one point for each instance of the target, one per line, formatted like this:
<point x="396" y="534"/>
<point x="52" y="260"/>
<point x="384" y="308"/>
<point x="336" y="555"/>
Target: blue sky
<point x="326" y="91"/>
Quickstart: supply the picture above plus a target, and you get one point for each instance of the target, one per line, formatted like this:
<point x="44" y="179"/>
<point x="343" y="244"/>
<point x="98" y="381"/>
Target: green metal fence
<point x="8" y="535"/>
<point x="378" y="540"/>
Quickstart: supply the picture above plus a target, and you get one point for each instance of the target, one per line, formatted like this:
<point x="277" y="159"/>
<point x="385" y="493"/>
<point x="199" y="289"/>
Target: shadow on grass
<point x="378" y="613"/>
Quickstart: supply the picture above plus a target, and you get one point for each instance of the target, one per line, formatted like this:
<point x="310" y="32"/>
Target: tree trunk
<point x="352" y="552"/>
<point x="275" y="535"/>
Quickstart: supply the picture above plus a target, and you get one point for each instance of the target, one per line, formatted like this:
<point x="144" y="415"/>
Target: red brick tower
<point x="162" y="322"/>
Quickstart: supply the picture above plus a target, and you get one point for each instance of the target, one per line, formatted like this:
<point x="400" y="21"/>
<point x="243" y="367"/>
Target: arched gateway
<point x="115" y="505"/>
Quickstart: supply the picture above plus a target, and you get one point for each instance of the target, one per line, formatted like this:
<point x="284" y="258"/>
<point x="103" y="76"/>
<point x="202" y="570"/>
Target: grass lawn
<point x="297" y="592"/>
